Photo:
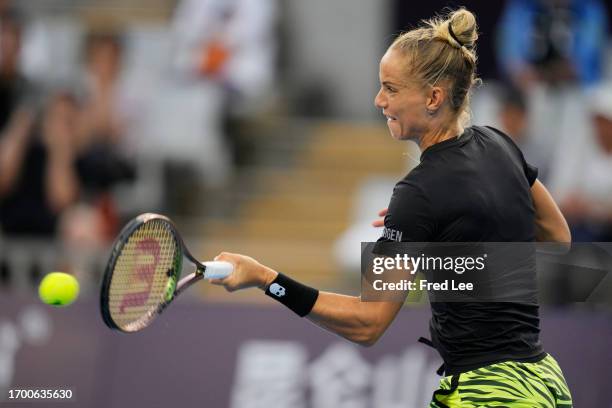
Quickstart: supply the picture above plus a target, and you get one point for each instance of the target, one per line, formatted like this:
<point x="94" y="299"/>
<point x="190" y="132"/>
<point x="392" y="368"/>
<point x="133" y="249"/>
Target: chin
<point x="398" y="135"/>
<point x="395" y="133"/>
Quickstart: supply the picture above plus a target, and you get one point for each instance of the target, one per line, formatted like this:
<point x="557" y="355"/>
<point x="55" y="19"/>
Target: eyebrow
<point x="389" y="83"/>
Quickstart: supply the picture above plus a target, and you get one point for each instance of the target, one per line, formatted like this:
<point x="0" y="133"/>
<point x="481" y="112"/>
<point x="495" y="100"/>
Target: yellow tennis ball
<point x="58" y="289"/>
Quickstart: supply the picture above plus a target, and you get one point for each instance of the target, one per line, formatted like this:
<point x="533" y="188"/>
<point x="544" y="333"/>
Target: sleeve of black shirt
<point x="531" y="172"/>
<point x="409" y="218"/>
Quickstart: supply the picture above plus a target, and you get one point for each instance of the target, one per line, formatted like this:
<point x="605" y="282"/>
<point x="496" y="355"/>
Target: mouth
<point x="389" y="117"/>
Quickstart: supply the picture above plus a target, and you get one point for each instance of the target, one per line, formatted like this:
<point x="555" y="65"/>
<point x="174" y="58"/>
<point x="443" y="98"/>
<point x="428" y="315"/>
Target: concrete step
<point x="306" y="178"/>
<point x="355" y="148"/>
<point x="308" y="260"/>
<point x="274" y="227"/>
<point x="324" y="207"/>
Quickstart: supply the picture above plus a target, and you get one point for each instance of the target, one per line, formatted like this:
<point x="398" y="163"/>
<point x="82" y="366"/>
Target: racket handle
<point x="217" y="269"/>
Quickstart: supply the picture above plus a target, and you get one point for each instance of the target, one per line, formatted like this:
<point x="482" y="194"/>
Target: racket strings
<point x="145" y="265"/>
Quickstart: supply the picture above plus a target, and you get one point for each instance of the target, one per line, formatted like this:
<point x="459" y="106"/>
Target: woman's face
<point x="404" y="104"/>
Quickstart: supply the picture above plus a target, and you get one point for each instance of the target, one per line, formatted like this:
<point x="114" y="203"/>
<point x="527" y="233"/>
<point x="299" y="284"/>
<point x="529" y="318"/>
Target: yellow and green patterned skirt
<point x="508" y="384"/>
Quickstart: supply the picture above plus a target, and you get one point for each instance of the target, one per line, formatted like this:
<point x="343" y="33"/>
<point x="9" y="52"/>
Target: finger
<point x="226" y="256"/>
<point x="378" y="223"/>
<point x="383" y="212"/>
<point x="216" y="281"/>
<point x="220" y="257"/>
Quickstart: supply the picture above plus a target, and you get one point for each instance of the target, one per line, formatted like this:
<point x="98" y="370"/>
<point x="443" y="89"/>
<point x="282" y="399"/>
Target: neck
<point x="440" y="134"/>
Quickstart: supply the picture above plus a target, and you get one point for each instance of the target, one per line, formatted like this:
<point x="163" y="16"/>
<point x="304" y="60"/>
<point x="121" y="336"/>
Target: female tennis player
<point x="472" y="185"/>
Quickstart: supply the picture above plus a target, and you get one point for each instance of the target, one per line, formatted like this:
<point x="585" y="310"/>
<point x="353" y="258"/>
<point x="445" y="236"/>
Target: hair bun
<point x="461" y="27"/>
<point x="458" y="28"/>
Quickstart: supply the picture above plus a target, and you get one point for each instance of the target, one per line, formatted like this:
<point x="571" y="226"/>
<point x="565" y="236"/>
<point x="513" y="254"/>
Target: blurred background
<point x="251" y="124"/>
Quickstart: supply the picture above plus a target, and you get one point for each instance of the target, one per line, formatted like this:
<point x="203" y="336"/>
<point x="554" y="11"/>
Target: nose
<point x="379" y="101"/>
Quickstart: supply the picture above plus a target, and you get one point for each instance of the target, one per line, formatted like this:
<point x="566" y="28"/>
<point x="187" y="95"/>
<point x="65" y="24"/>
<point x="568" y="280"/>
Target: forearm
<point x="551" y="232"/>
<point x="11" y="157"/>
<point x="12" y="150"/>
<point x="346" y="316"/>
<point x="550" y="224"/>
<point x="61" y="182"/>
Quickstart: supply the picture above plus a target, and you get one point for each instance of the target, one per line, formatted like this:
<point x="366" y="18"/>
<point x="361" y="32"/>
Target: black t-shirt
<point x="14" y="90"/>
<point x="24" y="211"/>
<point x="474" y="188"/>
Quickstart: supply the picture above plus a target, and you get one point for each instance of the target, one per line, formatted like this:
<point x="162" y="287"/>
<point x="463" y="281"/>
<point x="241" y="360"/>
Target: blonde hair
<point x="442" y="52"/>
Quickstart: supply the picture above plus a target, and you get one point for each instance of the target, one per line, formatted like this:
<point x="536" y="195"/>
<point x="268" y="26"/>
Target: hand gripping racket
<point x="142" y="274"/>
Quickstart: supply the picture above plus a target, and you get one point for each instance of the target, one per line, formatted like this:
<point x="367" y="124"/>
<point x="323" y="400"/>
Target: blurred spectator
<point x="588" y="206"/>
<point x="553" y="41"/>
<point x="64" y="155"/>
<point x="51" y="188"/>
<point x="224" y="53"/>
<point x="102" y="121"/>
<point x="231" y="42"/>
<point x="101" y="162"/>
<point x="37" y="167"/>
<point x="513" y="118"/>
<point x="29" y="201"/>
<point x="552" y="50"/>
<point x="13" y="85"/>
<point x="513" y="114"/>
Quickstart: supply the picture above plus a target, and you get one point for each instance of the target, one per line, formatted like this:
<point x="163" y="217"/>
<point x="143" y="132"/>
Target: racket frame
<point x="179" y="287"/>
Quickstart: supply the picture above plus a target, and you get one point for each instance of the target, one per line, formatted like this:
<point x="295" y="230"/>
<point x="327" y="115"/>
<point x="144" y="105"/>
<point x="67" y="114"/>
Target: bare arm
<point x="61" y="180"/>
<point x="360" y="322"/>
<point x="550" y="222"/>
<point x="12" y="149"/>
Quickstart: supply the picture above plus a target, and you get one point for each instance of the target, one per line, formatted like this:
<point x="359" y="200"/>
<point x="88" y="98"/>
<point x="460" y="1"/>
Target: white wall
<point x="339" y="42"/>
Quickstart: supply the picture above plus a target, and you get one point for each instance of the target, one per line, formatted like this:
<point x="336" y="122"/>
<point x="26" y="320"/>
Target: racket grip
<point x="217" y="269"/>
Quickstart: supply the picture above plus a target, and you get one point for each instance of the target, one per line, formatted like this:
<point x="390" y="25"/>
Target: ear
<point x="435" y="98"/>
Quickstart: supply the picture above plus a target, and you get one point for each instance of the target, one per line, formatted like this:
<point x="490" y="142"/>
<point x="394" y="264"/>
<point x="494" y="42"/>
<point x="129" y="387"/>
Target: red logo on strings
<point x="142" y="273"/>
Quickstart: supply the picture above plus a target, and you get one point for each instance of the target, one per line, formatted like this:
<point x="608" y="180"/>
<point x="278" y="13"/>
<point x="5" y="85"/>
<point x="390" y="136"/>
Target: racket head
<point x="142" y="273"/>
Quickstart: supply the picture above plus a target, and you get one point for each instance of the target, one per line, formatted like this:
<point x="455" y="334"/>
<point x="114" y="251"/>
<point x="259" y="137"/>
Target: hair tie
<point x="450" y="30"/>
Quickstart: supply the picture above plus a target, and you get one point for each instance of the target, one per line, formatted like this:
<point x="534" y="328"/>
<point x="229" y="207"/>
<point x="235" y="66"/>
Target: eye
<point x="389" y="88"/>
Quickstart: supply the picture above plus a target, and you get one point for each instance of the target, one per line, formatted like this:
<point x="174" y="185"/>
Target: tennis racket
<point x="142" y="275"/>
